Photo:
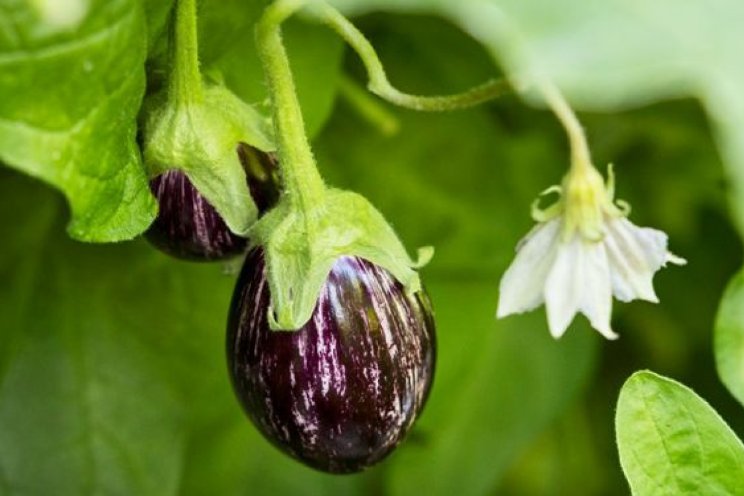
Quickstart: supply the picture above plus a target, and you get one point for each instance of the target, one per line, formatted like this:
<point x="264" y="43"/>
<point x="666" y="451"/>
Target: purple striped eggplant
<point x="189" y="227"/>
<point x="341" y="392"/>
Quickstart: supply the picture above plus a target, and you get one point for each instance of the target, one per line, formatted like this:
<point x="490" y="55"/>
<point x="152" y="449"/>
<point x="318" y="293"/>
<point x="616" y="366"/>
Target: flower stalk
<point x="580" y="155"/>
<point x="583" y="249"/>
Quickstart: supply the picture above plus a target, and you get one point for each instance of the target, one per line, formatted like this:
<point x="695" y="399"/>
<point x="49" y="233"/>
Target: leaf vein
<point x="647" y="412"/>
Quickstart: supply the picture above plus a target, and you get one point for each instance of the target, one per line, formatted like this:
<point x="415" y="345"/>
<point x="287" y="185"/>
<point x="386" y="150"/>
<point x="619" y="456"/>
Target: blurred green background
<point x="112" y="367"/>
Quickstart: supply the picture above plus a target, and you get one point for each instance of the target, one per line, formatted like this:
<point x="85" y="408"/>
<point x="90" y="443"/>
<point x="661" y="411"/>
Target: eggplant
<point x="190" y="228"/>
<point x="341" y="392"/>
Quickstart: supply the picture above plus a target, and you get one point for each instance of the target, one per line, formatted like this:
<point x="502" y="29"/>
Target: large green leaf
<point x="177" y="311"/>
<point x="71" y="80"/>
<point x="227" y="456"/>
<point x="76" y="76"/>
<point x="729" y="337"/>
<point x="112" y="373"/>
<point x="672" y="442"/>
<point x="614" y="54"/>
<point x="84" y="408"/>
<point x="156" y="14"/>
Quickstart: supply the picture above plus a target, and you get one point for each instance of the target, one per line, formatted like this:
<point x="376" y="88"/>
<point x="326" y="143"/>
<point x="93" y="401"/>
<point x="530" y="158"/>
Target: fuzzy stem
<point x="302" y="182"/>
<point x="580" y="156"/>
<point x="185" y="82"/>
<point x="378" y="82"/>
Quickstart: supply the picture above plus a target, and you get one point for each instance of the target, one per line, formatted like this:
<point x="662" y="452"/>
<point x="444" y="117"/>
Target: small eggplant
<point x="189" y="227"/>
<point x="341" y="392"/>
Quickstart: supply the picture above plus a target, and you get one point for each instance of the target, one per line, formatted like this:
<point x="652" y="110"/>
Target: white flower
<point x="582" y="251"/>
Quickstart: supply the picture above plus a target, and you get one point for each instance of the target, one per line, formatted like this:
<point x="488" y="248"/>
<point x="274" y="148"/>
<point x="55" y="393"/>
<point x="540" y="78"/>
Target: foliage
<point x="112" y="374"/>
<point x="672" y="442"/>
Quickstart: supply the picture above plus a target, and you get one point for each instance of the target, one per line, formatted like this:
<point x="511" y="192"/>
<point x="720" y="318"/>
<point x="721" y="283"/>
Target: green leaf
<point x="143" y="335"/>
<point x="112" y="370"/>
<point x="77" y="89"/>
<point x="610" y="56"/>
<point x="672" y="442"/>
<point x="85" y="407"/>
<point x="157" y="15"/>
<point x="729" y="337"/>
<point x="230" y="458"/>
<point x="76" y="79"/>
<point x="222" y="23"/>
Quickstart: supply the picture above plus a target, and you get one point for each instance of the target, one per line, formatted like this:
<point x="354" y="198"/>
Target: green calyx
<point x="585" y="202"/>
<point x="201" y="139"/>
<point x="301" y="246"/>
<point x="312" y="226"/>
<point x="197" y="128"/>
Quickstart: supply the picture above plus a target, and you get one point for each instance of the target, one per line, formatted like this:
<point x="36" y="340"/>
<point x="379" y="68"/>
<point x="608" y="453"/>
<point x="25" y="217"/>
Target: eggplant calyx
<point x="301" y="246"/>
<point x="199" y="138"/>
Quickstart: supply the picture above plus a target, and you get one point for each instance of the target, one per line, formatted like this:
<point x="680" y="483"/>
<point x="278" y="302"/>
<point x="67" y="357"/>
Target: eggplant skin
<point x="188" y="226"/>
<point x="340" y="393"/>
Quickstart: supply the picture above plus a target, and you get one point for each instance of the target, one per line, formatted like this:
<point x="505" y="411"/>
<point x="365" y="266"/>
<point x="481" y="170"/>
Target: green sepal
<point x="300" y="249"/>
<point x="201" y="138"/>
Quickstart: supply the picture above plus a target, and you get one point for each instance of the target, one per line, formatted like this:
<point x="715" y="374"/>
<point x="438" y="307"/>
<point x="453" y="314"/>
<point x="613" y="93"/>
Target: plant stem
<point x="185" y="83"/>
<point x="580" y="156"/>
<point x="378" y="82"/>
<point x="302" y="182"/>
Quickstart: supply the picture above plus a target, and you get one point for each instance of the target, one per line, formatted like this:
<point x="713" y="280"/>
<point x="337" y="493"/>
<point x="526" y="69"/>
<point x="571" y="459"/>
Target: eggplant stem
<point x="185" y="81"/>
<point x="303" y="185"/>
<point x="378" y="81"/>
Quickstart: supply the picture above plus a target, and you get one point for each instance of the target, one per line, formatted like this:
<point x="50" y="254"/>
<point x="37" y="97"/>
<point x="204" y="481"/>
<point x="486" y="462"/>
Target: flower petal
<point x="635" y="254"/>
<point x="521" y="287"/>
<point x="579" y="282"/>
